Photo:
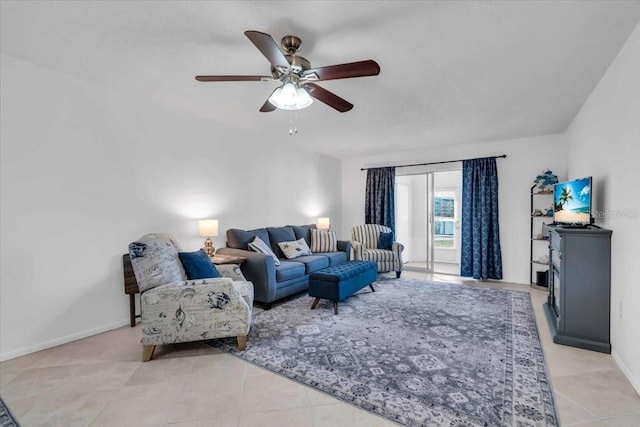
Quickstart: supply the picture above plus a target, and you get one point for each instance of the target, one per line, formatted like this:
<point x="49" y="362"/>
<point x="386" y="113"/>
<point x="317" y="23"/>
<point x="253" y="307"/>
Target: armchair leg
<point x="147" y="352"/>
<point x="398" y="274"/>
<point x="242" y="343"/>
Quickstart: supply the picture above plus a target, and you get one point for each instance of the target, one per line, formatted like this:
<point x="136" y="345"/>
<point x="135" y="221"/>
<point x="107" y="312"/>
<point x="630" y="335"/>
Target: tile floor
<point x="100" y="381"/>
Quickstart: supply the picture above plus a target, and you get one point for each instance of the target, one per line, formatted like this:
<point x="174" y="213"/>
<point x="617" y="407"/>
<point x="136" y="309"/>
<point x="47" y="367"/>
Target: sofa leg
<point x="266" y="306"/>
<point x="147" y="352"/>
<point x="242" y="343"/>
<point x="315" y="303"/>
<point x="335" y="308"/>
<point x="372" y="288"/>
<point x="398" y="274"/>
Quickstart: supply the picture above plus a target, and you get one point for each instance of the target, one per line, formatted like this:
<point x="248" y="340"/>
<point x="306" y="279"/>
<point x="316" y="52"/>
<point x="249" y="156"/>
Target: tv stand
<point x="578" y="304"/>
<point x="575" y="226"/>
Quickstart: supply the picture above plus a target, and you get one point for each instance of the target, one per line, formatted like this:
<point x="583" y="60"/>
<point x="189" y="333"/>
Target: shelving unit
<point x="542" y="200"/>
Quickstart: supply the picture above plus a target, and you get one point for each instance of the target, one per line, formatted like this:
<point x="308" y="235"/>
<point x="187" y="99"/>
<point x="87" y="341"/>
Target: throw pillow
<point x="385" y="241"/>
<point x="295" y="249"/>
<point x="280" y="234"/>
<point x="323" y="241"/>
<point x="258" y="245"/>
<point x="197" y="265"/>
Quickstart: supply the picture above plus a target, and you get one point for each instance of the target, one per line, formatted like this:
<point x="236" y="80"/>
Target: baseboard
<point x="626" y="371"/>
<point x="59" y="341"/>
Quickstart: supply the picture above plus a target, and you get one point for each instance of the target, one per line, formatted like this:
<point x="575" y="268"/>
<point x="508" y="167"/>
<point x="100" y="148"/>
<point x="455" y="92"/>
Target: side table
<point x="227" y="259"/>
<point x="130" y="287"/>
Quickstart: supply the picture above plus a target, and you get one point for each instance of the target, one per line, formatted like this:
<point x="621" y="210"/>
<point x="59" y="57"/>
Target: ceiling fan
<point x="297" y="76"/>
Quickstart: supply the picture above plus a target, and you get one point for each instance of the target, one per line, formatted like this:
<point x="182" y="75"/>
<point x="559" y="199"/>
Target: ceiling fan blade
<point x="267" y="107"/>
<point x="329" y="98"/>
<point x="269" y="48"/>
<point x="343" y="71"/>
<point x="233" y="78"/>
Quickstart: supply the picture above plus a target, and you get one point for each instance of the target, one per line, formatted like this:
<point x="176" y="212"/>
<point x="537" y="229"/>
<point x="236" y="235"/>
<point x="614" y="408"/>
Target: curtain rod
<point x="504" y="156"/>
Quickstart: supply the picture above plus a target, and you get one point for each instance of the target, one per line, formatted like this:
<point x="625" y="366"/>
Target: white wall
<point x="527" y="158"/>
<point x="84" y="172"/>
<point x="604" y="142"/>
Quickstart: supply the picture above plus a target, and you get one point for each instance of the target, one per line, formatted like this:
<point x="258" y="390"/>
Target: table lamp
<point x="324" y="223"/>
<point x="208" y="228"/>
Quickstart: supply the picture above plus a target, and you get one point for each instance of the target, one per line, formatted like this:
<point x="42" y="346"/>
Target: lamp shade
<point x="288" y="97"/>
<point x="324" y="223"/>
<point x="208" y="227"/>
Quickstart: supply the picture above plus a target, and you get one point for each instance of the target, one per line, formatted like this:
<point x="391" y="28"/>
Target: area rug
<point x="6" y="417"/>
<point x="415" y="352"/>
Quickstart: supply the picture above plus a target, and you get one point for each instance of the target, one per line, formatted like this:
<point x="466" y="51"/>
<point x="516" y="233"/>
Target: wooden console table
<point x="227" y="259"/>
<point x="130" y="287"/>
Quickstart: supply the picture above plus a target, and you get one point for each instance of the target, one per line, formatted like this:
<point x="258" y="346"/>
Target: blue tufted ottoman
<point x="341" y="281"/>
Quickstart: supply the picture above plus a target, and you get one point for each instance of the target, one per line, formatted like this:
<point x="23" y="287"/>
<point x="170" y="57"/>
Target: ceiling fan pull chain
<point x="292" y="123"/>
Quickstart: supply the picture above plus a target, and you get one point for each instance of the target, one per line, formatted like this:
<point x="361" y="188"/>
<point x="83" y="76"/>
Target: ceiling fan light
<point x="275" y="97"/>
<point x="288" y="97"/>
<point x="303" y="100"/>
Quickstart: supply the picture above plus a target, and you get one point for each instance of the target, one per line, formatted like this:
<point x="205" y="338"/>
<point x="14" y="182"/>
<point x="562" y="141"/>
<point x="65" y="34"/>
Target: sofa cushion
<point x="335" y="258"/>
<point x="258" y="245"/>
<point x="240" y="239"/>
<point x="303" y="232"/>
<point x="288" y="270"/>
<point x="323" y="241"/>
<point x="378" y="255"/>
<point x="197" y="265"/>
<point x="280" y="234"/>
<point x="295" y="249"/>
<point x="313" y="262"/>
<point x="155" y="260"/>
<point x="231" y="271"/>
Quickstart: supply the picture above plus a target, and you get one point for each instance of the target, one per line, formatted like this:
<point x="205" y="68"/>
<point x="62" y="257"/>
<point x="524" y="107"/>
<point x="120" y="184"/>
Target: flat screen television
<point x="572" y="203"/>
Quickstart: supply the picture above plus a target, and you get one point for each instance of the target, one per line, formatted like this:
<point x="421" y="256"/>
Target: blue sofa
<point x="272" y="282"/>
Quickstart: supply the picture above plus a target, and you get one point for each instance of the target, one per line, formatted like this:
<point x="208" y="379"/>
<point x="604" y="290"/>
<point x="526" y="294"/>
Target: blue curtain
<point x="379" y="205"/>
<point x="481" y="257"/>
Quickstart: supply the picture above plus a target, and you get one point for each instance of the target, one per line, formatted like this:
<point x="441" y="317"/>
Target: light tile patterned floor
<point x="100" y="381"/>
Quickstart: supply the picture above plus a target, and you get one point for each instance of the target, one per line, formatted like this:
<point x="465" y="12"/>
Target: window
<point x="445" y="217"/>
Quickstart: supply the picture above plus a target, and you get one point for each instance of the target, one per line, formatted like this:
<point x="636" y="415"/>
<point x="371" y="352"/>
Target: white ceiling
<point x="451" y="72"/>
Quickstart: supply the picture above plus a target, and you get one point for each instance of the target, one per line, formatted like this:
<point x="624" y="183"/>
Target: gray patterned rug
<point x="6" y="417"/>
<point x="417" y="353"/>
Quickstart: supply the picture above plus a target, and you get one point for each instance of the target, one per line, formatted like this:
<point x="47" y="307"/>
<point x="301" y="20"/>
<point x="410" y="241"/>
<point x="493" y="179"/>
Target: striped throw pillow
<point x="258" y="245"/>
<point x="323" y="241"/>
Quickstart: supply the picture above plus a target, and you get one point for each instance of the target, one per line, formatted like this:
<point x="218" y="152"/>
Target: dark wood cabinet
<point x="579" y="300"/>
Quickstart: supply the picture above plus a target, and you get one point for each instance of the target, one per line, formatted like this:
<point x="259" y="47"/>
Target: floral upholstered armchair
<point x="175" y="309"/>
<point x="373" y="242"/>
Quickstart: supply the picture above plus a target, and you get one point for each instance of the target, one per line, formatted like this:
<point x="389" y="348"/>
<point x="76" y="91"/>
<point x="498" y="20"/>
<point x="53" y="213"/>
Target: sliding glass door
<point x="428" y="219"/>
<point x="414" y="219"/>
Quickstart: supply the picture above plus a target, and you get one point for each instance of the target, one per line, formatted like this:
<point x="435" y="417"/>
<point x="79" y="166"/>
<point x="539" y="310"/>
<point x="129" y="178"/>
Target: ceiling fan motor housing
<point x="298" y="65"/>
<point x="290" y="43"/>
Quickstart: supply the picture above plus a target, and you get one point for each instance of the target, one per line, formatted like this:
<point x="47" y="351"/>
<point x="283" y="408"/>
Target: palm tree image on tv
<point x="572" y="202"/>
<point x="565" y="196"/>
